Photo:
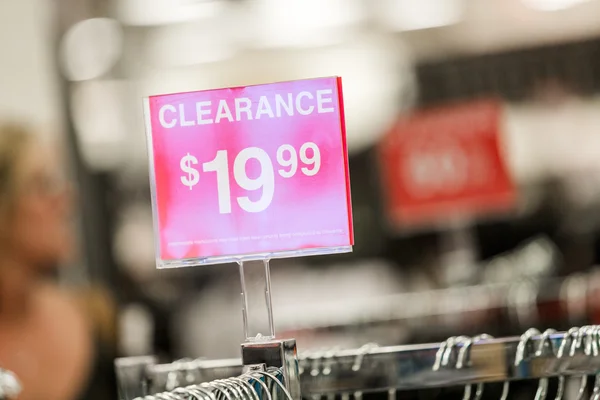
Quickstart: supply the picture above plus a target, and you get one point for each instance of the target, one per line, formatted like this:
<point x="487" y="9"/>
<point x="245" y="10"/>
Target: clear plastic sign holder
<point x="257" y="306"/>
<point x="328" y="229"/>
<point x="261" y="349"/>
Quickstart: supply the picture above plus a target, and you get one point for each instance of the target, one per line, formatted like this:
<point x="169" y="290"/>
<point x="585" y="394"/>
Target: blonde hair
<point x="14" y="139"/>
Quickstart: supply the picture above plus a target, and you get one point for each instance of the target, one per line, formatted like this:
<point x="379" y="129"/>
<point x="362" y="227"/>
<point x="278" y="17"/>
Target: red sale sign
<point x="249" y="172"/>
<point x="442" y="163"/>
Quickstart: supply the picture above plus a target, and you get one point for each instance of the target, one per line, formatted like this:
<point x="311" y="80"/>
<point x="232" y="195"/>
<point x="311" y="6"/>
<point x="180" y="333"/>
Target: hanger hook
<point x="522" y="348"/>
<point x="461" y="363"/>
<point x="444" y="354"/>
<point x="246" y="388"/>
<point x="167" y="396"/>
<point x="314" y="366"/>
<point x="595" y="351"/>
<point x="189" y="392"/>
<point x="276" y="381"/>
<point x="560" y="391"/>
<point x="440" y="354"/>
<point x="249" y="387"/>
<point x="233" y="386"/>
<point x="542" y="389"/>
<point x="464" y="359"/>
<point x="249" y="375"/>
<point x="204" y="392"/>
<point x="329" y="360"/>
<point x="214" y="386"/>
<point x="452" y="344"/>
<point x="582" y="340"/>
<point x="364" y="350"/>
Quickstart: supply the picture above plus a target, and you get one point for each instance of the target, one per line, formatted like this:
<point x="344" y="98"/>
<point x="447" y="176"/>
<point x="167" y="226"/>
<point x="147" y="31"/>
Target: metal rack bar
<point x="411" y="367"/>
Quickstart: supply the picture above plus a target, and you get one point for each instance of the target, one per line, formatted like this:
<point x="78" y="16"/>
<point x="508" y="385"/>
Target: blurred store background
<point x="449" y="257"/>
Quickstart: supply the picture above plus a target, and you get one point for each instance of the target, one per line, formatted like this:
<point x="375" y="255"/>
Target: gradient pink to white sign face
<point x="249" y="170"/>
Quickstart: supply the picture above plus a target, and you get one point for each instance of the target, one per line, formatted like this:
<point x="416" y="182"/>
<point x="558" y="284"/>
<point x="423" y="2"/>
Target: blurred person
<point x="45" y="338"/>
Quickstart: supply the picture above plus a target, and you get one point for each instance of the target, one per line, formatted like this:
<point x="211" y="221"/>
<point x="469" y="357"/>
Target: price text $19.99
<point x="287" y="158"/>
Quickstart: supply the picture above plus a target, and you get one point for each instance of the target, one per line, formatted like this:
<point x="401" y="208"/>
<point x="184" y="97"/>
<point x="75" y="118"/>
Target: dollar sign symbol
<point x="193" y="176"/>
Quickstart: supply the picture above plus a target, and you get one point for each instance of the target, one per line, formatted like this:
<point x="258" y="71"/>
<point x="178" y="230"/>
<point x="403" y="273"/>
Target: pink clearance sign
<point x="249" y="172"/>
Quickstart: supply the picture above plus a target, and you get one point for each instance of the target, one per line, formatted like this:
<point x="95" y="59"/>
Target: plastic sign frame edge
<point x="237" y="258"/>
